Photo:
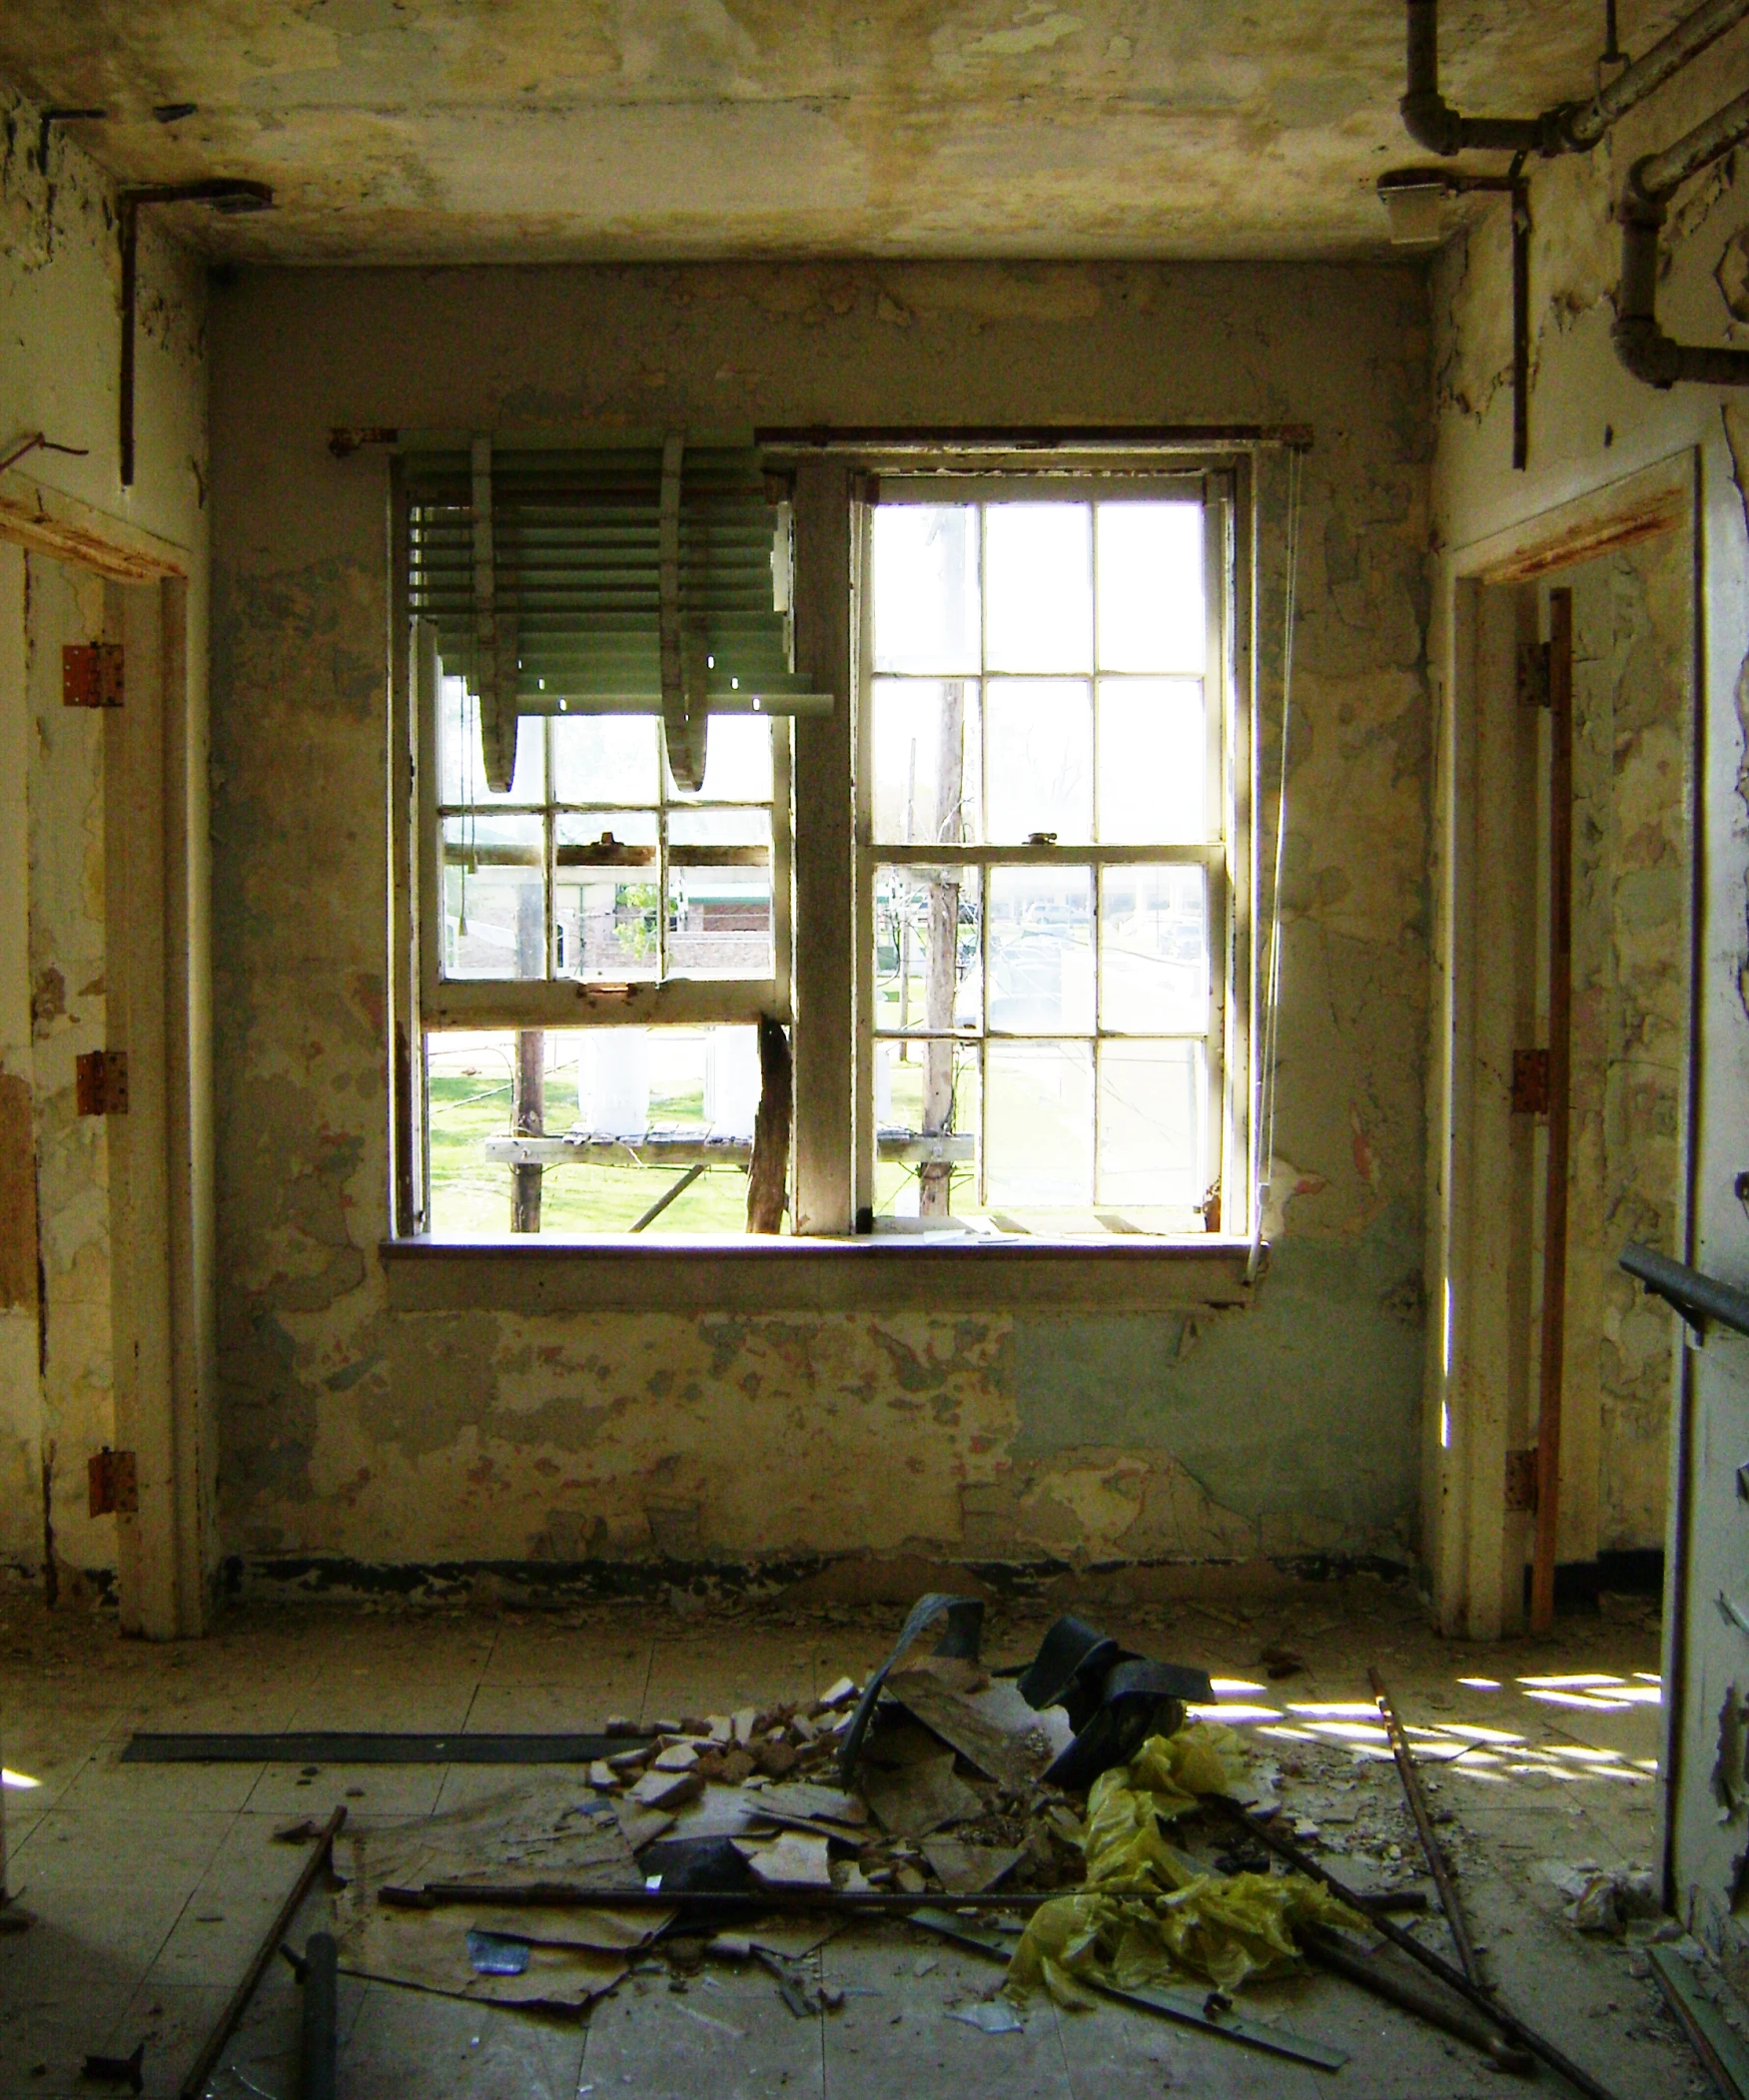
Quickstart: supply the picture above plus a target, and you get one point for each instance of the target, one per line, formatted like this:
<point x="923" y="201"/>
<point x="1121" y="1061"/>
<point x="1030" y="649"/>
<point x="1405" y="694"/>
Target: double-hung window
<point x="1046" y="873"/>
<point x="1045" y="809"/>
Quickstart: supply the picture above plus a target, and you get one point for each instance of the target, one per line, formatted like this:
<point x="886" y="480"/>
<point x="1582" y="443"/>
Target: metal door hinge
<point x="100" y="1083"/>
<point x="1531" y="1083"/>
<point x="1533" y="673"/>
<point x="113" y="1482"/>
<point x="91" y="674"/>
<point x="1521" y="1479"/>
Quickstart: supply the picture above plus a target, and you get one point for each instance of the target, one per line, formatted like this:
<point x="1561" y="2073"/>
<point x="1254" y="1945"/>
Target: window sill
<point x="682" y="1273"/>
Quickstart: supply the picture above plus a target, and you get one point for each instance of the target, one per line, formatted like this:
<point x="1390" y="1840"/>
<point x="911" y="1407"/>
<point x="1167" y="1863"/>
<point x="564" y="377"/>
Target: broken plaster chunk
<point x="679" y="1756"/>
<point x="722" y="1727"/>
<point x="743" y="1723"/>
<point x="836" y="1695"/>
<point x="619" y="1725"/>
<point x="910" y="1880"/>
<point x="629" y="1759"/>
<point x="602" y="1777"/>
<point x="666" y="1789"/>
<point x="794" y="1861"/>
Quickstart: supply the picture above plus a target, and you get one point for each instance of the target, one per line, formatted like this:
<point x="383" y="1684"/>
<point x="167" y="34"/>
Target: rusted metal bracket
<point x="100" y="1083"/>
<point x="1533" y="674"/>
<point x="112" y="1483"/>
<point x="1531" y="1083"/>
<point x="1521" y="1479"/>
<point x="92" y="674"/>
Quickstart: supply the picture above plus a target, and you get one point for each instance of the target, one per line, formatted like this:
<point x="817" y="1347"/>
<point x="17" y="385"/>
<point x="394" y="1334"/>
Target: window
<point x="1045" y="870"/>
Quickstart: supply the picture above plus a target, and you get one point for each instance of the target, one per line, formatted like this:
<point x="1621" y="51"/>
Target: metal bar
<point x="127" y="211"/>
<point x="1712" y="2039"/>
<point x="321" y="1853"/>
<point x="1189" y="2008"/>
<point x="662" y="1201"/>
<point x="1027" y="437"/>
<point x="1412" y="1787"/>
<point x="1483" y="2001"/>
<point x="1560" y="1045"/>
<point x="1328" y="1953"/>
<point x="576" y="1895"/>
<point x="347" y="1746"/>
<point x="316" y="2067"/>
<point x="1694" y="1294"/>
<point x="957" y="856"/>
<point x="1520" y="316"/>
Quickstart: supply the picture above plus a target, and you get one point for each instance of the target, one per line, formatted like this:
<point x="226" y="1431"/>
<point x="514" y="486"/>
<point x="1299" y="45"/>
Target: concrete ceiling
<point x="535" y="130"/>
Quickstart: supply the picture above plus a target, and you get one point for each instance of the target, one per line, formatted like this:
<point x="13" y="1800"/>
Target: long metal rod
<point x="195" y="2084"/>
<point x="1412" y="1787"/>
<point x="1485" y="2001"/>
<point x="1560" y="1061"/>
<point x="1328" y="1953"/>
<point x="317" y="2069"/>
<point x="127" y="211"/>
<point x="574" y="1895"/>
<point x="1520" y="316"/>
<point x="1696" y="1295"/>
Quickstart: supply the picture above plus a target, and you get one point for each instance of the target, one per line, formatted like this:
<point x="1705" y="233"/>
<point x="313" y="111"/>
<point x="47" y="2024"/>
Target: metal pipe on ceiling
<point x="1640" y="343"/>
<point x="1569" y="127"/>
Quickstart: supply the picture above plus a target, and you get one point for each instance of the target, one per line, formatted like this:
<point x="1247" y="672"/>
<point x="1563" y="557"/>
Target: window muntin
<point x="594" y="868"/>
<point x="1045" y="882"/>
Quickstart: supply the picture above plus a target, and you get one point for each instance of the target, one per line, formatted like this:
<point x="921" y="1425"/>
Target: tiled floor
<point x="152" y="1884"/>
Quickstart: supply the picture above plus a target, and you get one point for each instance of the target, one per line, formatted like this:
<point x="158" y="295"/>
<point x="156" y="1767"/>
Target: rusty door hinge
<point x="91" y="674"/>
<point x="100" y="1083"/>
<point x="1533" y="674"/>
<point x="1521" y="1479"/>
<point x="113" y="1482"/>
<point x="1531" y="1083"/>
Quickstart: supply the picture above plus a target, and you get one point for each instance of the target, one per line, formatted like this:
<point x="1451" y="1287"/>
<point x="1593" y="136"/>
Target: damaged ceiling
<point x="547" y="130"/>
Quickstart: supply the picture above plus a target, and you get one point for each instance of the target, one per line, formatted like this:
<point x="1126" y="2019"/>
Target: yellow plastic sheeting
<point x="1147" y="1910"/>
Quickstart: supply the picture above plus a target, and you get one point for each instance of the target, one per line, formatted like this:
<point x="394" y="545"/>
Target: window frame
<point x="1224" y="857"/>
<point x="822" y="859"/>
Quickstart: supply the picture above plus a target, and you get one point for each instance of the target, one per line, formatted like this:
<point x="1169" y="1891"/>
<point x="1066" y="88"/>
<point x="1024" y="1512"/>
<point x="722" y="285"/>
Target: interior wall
<point x="1592" y="426"/>
<point x="358" y="1438"/>
<point x="59" y="376"/>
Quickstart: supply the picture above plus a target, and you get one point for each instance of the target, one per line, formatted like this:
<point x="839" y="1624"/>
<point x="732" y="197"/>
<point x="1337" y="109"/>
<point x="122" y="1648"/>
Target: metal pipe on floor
<point x="317" y="2026"/>
<point x="194" y="2086"/>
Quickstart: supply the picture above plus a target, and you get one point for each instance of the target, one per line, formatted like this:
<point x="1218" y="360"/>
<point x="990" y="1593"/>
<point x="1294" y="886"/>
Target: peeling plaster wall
<point x="58" y="367"/>
<point x="390" y="1437"/>
<point x="1591" y="426"/>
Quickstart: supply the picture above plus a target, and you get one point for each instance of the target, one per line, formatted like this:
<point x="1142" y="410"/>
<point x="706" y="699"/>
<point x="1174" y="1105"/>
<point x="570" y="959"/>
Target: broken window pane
<point x="925" y="761"/>
<point x="1039" y="559"/>
<point x="1041" y="950"/>
<point x="926" y="587"/>
<point x="1037" y="1128"/>
<point x="1040" y="757"/>
<point x="1150" y="608"/>
<point x="719" y="921"/>
<point x="927" y="948"/>
<point x="1153" y="949"/>
<point x="1151" y="1117"/>
<point x="494" y="900"/>
<point x="605" y="758"/>
<point x="462" y="766"/>
<point x="1152" y="762"/>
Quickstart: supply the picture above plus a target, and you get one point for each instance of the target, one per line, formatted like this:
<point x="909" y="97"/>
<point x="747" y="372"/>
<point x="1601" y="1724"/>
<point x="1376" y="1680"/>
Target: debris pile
<point x="1074" y="1793"/>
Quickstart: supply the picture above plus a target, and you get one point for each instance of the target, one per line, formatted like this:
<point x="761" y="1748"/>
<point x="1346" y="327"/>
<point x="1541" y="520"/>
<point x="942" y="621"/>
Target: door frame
<point x="159" y="986"/>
